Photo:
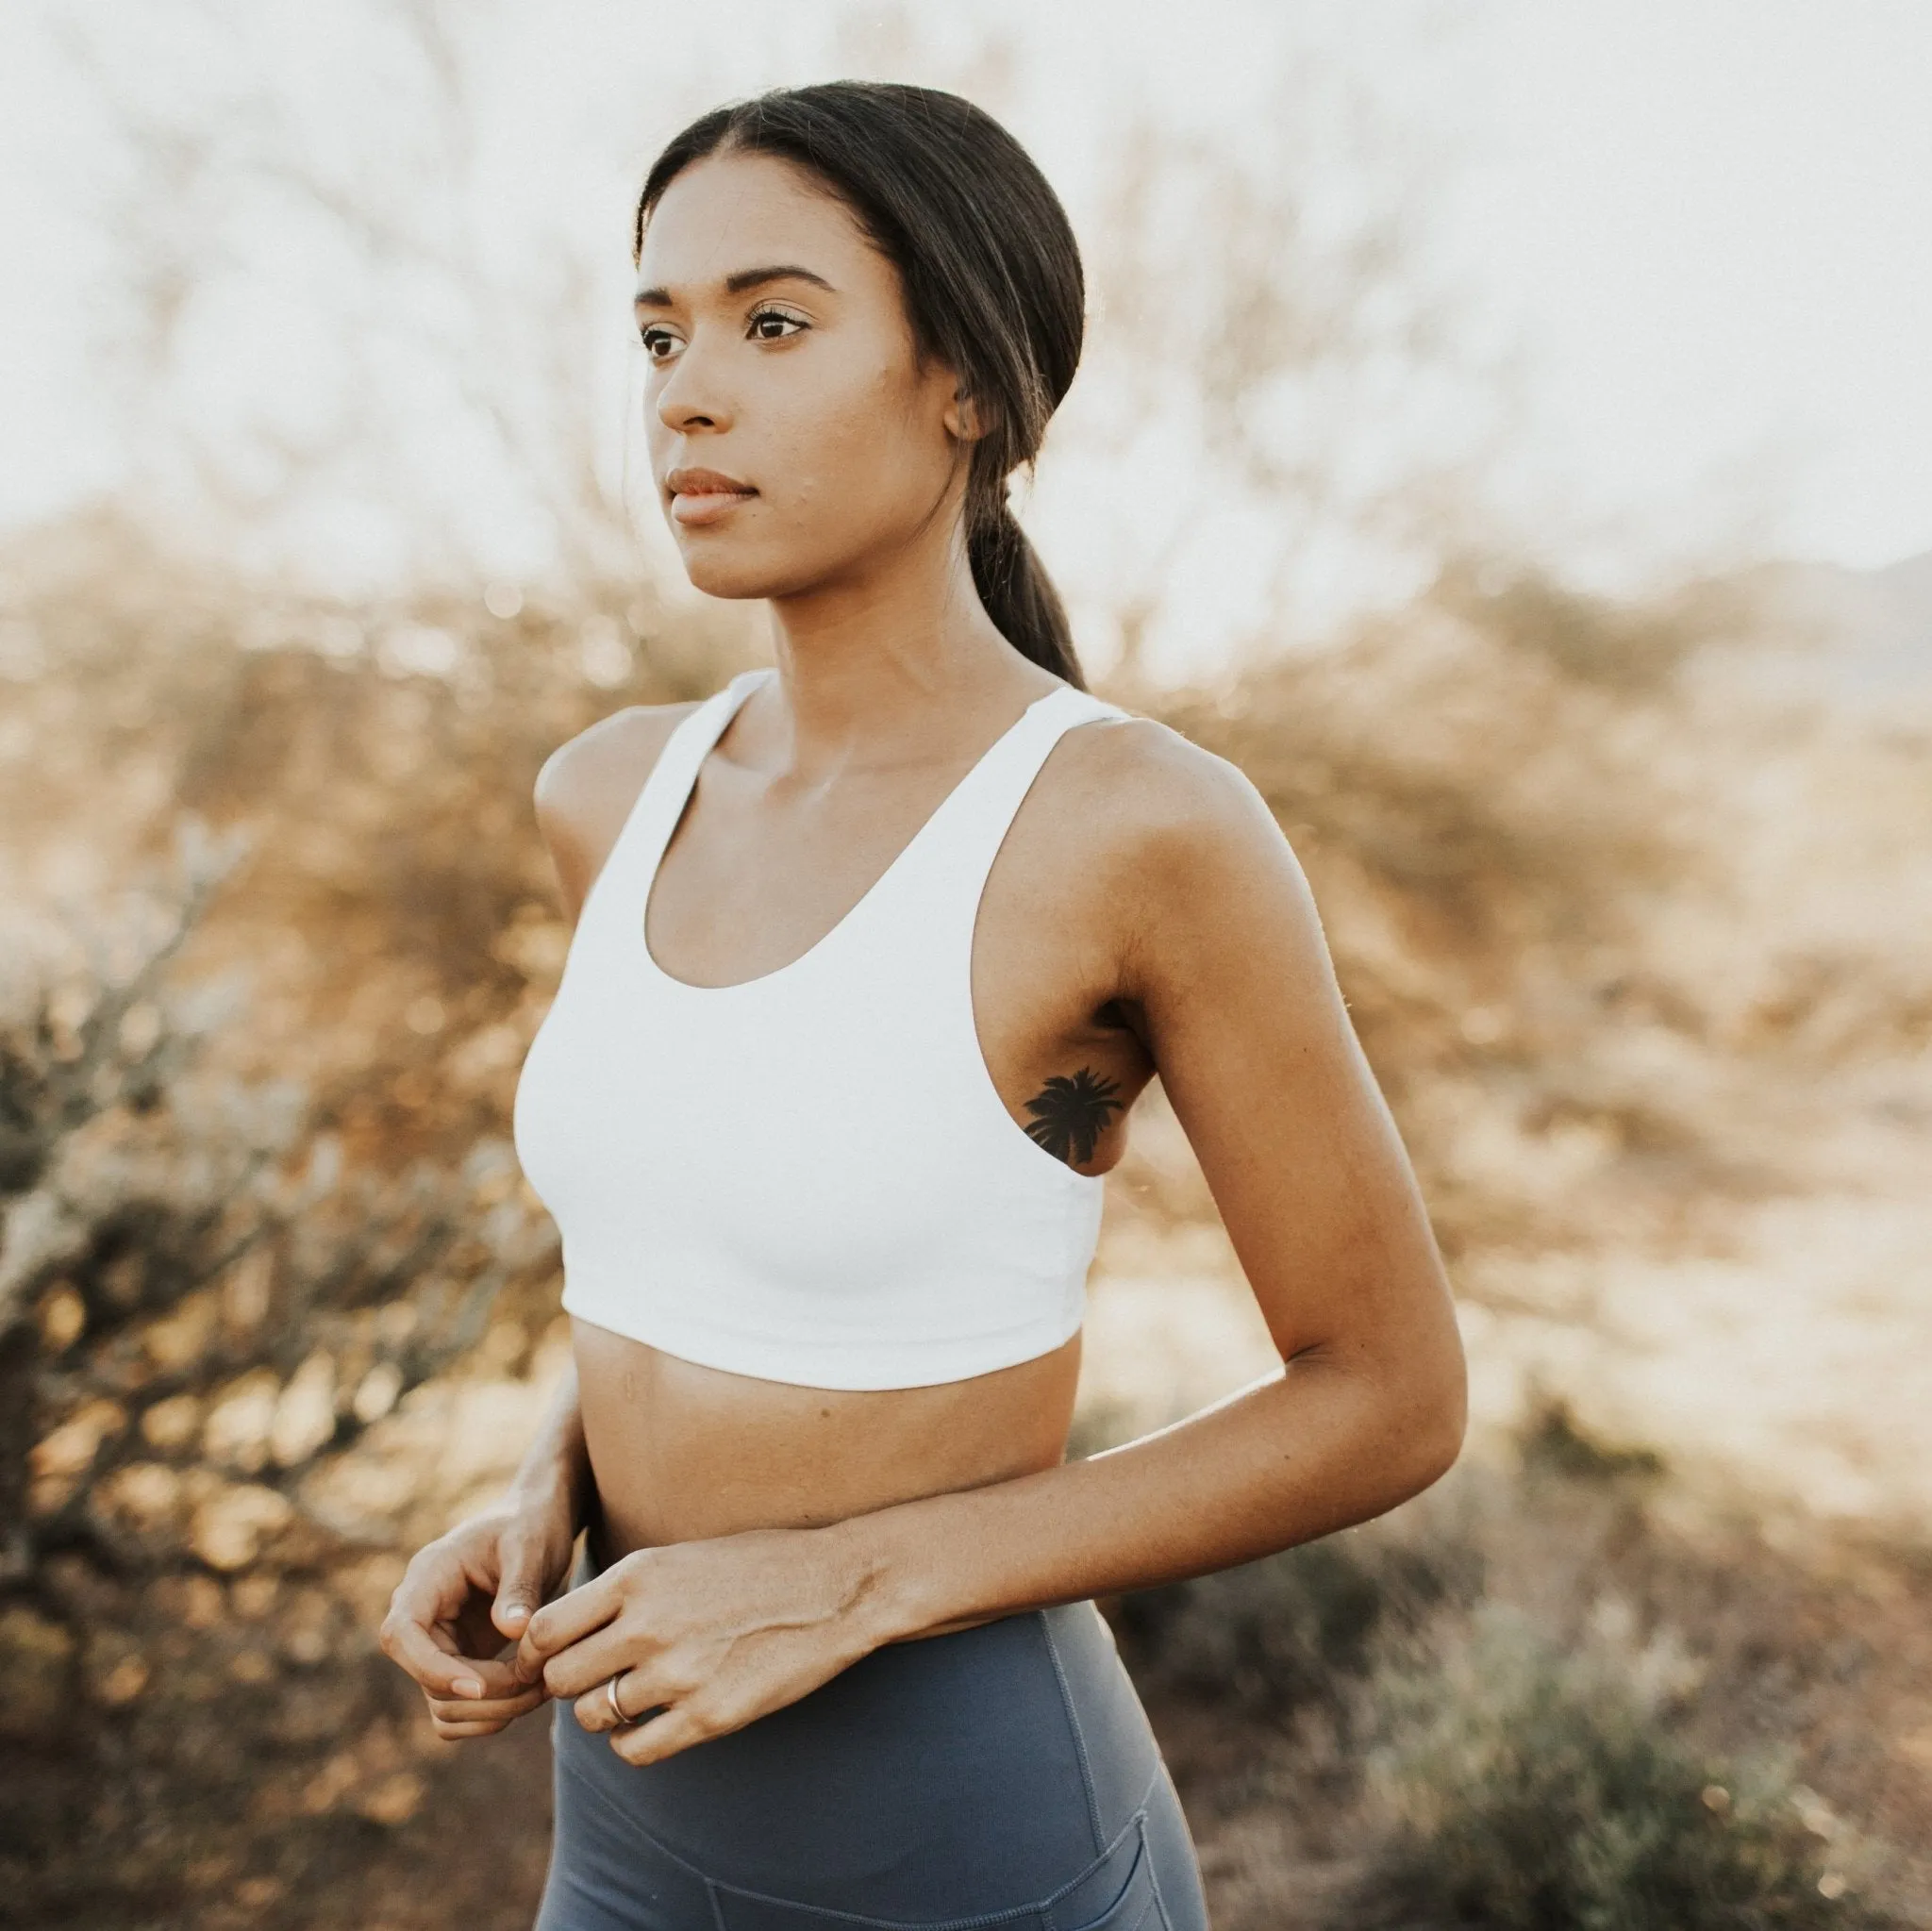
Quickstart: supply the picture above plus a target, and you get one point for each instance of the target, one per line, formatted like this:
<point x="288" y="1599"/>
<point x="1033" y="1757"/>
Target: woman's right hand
<point x="461" y="1607"/>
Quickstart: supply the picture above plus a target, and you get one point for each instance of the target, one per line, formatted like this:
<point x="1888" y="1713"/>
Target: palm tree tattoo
<point x="1070" y="1114"/>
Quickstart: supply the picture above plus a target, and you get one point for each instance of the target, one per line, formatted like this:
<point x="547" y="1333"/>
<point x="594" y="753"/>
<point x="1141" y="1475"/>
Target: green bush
<point x="202" y="1307"/>
<point x="1294" y="1628"/>
<point x="1526" y="1787"/>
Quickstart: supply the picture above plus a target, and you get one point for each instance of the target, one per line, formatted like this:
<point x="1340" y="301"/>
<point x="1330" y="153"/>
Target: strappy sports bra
<point x="808" y="1176"/>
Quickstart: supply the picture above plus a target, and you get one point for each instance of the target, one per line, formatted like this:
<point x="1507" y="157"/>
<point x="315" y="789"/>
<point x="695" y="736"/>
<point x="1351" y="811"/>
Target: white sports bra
<point x="808" y="1176"/>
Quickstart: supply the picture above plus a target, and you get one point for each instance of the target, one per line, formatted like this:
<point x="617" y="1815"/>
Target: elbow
<point x="1413" y="1420"/>
<point x="1435" y="1404"/>
<point x="1444" y="1444"/>
<point x="1436" y="1424"/>
<point x="1408" y="1417"/>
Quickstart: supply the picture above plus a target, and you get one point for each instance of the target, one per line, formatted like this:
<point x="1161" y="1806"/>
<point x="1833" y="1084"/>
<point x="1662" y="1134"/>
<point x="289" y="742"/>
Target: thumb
<point x="521" y="1590"/>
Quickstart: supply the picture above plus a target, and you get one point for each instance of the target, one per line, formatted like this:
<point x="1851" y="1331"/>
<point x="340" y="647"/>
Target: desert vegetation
<point x="277" y="1300"/>
<point x="1628" y="897"/>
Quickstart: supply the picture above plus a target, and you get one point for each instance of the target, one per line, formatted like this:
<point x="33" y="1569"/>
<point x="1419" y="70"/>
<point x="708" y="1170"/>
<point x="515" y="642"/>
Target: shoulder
<point x="1162" y="802"/>
<point x="585" y="788"/>
<point x="1182" y="842"/>
<point x="616" y="751"/>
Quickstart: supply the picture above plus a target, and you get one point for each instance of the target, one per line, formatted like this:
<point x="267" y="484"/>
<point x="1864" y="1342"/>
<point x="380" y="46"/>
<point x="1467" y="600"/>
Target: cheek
<point x="855" y="452"/>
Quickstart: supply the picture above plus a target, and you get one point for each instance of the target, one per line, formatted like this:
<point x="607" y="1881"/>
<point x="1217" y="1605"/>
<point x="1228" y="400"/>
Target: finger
<point x="430" y="1592"/>
<point x="592" y="1710"/>
<point x="435" y="1587"/>
<point x="500" y="1709"/>
<point x="494" y="1676"/>
<point x="571" y="1617"/>
<point x="460" y="1733"/>
<point x="412" y="1646"/>
<point x="526" y="1583"/>
<point x="579" y="1668"/>
<point x="680" y="1726"/>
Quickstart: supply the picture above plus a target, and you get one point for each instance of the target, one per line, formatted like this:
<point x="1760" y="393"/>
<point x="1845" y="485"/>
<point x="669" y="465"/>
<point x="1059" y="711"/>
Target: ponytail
<point x="1018" y="593"/>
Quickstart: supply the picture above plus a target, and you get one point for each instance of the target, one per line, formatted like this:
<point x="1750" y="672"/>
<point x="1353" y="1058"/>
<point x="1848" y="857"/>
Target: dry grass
<point x="1532" y="1698"/>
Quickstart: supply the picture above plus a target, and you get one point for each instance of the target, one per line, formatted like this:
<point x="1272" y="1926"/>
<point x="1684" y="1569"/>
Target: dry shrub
<point x="201" y="1309"/>
<point x="1524" y="1786"/>
<point x="259" y="1195"/>
<point x="394" y="909"/>
<point x="1533" y="1698"/>
<point x="1548" y="835"/>
<point x="1294" y="1630"/>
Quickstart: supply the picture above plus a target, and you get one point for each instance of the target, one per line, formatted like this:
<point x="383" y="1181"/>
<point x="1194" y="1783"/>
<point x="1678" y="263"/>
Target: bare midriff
<point x="681" y="1452"/>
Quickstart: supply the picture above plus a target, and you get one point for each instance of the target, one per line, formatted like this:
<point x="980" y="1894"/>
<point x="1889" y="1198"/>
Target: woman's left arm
<point x="1223" y="955"/>
<point x="1228" y="962"/>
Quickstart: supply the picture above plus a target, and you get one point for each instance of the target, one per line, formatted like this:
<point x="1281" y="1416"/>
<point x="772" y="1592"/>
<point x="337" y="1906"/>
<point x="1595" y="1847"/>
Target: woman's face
<point x="795" y="439"/>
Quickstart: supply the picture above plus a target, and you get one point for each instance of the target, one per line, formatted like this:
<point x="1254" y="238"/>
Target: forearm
<point x="1294" y="1456"/>
<point x="556" y="1467"/>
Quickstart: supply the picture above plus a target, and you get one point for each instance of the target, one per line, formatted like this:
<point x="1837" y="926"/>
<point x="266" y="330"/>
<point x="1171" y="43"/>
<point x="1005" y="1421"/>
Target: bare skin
<point x="1145" y="913"/>
<point x="682" y="1452"/>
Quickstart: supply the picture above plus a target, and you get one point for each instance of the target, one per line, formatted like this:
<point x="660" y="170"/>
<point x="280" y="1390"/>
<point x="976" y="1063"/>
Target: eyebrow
<point x="737" y="284"/>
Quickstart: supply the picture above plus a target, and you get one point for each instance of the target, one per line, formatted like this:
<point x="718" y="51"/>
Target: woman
<point x="875" y="951"/>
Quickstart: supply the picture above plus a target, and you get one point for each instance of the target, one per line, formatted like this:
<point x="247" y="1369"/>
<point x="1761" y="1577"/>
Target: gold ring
<point x="610" y="1697"/>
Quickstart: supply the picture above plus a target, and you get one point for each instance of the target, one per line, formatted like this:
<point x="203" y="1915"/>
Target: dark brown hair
<point x="992" y="277"/>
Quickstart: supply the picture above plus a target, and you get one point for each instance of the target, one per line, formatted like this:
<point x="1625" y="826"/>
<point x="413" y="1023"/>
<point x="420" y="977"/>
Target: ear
<point x="963" y="419"/>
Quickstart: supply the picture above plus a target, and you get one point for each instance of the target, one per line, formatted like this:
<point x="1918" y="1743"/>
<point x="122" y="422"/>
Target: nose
<point x="691" y="396"/>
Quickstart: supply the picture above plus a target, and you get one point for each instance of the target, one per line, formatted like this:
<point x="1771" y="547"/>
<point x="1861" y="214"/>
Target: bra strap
<point x="633" y="862"/>
<point x="939" y="892"/>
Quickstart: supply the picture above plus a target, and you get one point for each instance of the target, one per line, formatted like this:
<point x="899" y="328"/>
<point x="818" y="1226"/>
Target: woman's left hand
<point x="702" y="1637"/>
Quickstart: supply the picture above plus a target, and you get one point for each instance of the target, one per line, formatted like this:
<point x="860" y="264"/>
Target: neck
<point x="883" y="654"/>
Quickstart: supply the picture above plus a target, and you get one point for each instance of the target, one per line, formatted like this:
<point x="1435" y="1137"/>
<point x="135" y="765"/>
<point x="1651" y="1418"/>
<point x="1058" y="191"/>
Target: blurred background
<point x="1505" y="432"/>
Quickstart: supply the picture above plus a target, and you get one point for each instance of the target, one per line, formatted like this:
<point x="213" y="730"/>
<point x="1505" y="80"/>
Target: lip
<point x="699" y="496"/>
<point x="707" y="506"/>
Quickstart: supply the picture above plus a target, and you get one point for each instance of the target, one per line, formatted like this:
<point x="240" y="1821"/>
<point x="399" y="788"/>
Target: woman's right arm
<point x="464" y="1601"/>
<point x="462" y="1605"/>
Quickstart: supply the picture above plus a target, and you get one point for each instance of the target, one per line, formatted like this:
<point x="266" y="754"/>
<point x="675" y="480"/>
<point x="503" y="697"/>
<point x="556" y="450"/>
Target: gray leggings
<point x="999" y="1777"/>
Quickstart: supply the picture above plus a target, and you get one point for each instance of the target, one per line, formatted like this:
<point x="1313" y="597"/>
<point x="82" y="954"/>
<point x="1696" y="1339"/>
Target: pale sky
<point x="1711" y="224"/>
<point x="1700" y="228"/>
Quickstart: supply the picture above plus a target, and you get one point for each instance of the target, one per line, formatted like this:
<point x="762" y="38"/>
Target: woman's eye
<point x="771" y="324"/>
<point x="767" y="324"/>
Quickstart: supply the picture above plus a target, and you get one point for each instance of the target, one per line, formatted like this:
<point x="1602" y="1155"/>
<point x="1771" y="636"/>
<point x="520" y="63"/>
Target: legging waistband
<point x="1002" y="1775"/>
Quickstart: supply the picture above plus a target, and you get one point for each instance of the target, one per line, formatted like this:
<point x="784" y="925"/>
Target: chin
<point x="720" y="574"/>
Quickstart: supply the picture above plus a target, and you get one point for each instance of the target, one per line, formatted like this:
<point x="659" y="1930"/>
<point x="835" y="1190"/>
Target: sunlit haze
<point x="1687" y="244"/>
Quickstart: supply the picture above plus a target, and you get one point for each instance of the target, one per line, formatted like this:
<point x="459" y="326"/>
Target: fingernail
<point x="468" y="1685"/>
